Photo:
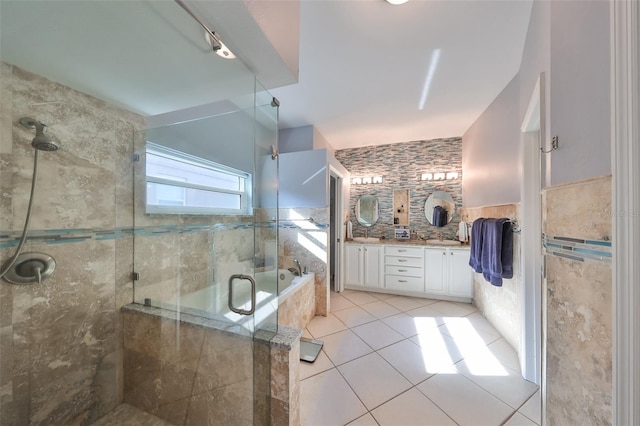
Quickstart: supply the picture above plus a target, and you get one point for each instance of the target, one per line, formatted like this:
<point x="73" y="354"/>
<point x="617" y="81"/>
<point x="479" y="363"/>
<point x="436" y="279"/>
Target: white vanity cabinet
<point x="447" y="272"/>
<point x="362" y="263"/>
<point x="433" y="271"/>
<point x="404" y="268"/>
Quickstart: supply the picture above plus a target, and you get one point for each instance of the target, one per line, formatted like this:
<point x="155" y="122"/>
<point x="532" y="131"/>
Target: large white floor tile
<point x="502" y="382"/>
<point x="533" y="408"/>
<point x="464" y="401"/>
<point x="415" y="363"/>
<point x="404" y="303"/>
<point x="520" y="420"/>
<point x="427" y="312"/>
<point x="411" y="408"/>
<point x="382" y="296"/>
<point x="377" y="334"/>
<point x="322" y="363"/>
<point x="354" y="316"/>
<point x="466" y="329"/>
<point x="339" y="302"/>
<point x="442" y="350"/>
<point x="326" y="399"/>
<point x="360" y="297"/>
<point x="344" y="346"/>
<point x="320" y="326"/>
<point x="454" y="309"/>
<point x="373" y="379"/>
<point x="380" y="309"/>
<point x="366" y="420"/>
<point x="410" y="326"/>
<point x="505" y="353"/>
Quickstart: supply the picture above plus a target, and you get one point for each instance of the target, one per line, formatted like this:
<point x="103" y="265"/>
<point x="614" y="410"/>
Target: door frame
<point x="625" y="213"/>
<point x="532" y="137"/>
<point x="338" y="242"/>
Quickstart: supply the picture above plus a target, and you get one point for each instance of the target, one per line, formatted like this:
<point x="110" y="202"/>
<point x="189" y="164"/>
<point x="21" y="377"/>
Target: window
<point x="178" y="182"/>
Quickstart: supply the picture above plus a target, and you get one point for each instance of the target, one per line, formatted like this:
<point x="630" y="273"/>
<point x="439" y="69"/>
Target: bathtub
<point x="289" y="283"/>
<point x="212" y="301"/>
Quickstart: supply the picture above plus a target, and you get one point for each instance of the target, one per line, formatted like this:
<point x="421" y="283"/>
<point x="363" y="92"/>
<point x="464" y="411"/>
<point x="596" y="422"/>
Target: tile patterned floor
<point x="403" y="361"/>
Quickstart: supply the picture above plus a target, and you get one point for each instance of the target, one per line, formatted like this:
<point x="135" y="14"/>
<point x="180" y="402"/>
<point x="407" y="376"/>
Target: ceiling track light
<point x="211" y="37"/>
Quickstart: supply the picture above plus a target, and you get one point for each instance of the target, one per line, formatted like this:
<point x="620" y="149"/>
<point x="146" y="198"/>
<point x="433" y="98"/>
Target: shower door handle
<point x="253" y="294"/>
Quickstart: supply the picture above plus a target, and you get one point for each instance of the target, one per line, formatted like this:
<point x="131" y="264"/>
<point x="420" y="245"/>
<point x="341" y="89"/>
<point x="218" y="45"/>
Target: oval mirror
<point x="367" y="210"/>
<point x="439" y="208"/>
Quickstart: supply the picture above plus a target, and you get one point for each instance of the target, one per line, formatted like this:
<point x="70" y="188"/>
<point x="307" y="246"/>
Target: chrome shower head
<point x="42" y="141"/>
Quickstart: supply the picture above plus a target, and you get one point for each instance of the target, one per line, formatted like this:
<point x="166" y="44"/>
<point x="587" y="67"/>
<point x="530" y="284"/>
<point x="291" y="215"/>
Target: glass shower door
<point x="205" y="263"/>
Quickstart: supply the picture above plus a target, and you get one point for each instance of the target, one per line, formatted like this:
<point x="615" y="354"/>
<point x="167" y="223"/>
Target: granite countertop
<point x="423" y="243"/>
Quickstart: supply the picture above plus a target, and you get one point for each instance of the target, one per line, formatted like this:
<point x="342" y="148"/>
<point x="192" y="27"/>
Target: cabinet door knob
<point x="444" y="253"/>
<point x="451" y="253"/>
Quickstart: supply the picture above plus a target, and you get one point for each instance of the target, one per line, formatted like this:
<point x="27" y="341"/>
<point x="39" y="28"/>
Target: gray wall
<point x="492" y="170"/>
<point x="569" y="42"/>
<point x="295" y="139"/>
<point x="580" y="111"/>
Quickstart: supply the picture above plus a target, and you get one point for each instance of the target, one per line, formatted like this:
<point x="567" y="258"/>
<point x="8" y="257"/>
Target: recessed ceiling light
<point x="397" y="2"/>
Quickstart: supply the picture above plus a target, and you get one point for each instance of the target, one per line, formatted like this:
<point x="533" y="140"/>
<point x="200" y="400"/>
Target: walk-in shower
<point x="31" y="268"/>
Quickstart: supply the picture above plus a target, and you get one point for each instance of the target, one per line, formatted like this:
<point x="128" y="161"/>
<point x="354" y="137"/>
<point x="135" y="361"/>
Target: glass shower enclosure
<point x="205" y="259"/>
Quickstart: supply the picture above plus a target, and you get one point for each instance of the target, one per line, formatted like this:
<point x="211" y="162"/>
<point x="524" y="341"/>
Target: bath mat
<point x="309" y="349"/>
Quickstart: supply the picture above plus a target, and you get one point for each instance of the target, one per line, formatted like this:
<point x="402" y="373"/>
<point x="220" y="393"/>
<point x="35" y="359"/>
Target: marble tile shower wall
<point x="401" y="165"/>
<point x="61" y="342"/>
<point x="578" y="311"/>
<point x="304" y="235"/>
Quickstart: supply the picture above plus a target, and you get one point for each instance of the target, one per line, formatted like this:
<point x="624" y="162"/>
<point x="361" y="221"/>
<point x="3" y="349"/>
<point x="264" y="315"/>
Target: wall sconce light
<point x="366" y="180"/>
<point x="439" y="176"/>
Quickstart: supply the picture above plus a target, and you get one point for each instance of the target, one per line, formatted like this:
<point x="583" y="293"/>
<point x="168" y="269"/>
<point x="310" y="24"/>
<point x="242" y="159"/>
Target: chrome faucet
<point x="440" y="236"/>
<point x="366" y="233"/>
<point x="295" y="261"/>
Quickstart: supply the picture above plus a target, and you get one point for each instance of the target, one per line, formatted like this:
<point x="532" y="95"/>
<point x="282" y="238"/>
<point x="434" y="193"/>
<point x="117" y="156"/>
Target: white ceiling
<point x="363" y="67"/>
<point x="363" y="63"/>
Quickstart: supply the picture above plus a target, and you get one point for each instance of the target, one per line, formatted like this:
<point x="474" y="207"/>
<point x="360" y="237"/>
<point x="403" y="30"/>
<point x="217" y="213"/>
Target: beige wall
<point x="502" y="306"/>
<point x="61" y="341"/>
<point x="578" y="309"/>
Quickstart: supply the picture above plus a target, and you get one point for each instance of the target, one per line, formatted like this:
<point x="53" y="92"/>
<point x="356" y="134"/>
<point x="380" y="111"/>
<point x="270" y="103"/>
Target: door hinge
<point x="135" y="276"/>
<point x="135" y="157"/>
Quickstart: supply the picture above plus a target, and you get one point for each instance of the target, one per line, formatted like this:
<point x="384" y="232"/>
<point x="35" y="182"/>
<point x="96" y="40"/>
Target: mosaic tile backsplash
<point x="401" y="166"/>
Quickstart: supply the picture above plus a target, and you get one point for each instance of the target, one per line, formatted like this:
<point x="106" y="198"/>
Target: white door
<point x="434" y="270"/>
<point x="353" y="264"/>
<point x="460" y="273"/>
<point x="372" y="255"/>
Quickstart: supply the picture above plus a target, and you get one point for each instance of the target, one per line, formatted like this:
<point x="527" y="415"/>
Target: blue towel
<point x="496" y="257"/>
<point x="439" y="216"/>
<point x="476" y="245"/>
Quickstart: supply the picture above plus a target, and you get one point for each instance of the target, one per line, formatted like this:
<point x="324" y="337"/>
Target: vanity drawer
<point x="403" y="251"/>
<point x="395" y="282"/>
<point x="415" y="262"/>
<point x="407" y="271"/>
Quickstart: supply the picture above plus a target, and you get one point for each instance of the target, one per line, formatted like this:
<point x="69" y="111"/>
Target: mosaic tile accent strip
<point x="577" y="249"/>
<point x="10" y="239"/>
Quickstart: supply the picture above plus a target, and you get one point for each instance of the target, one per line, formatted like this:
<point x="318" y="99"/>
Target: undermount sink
<point x="366" y="239"/>
<point x="443" y="242"/>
